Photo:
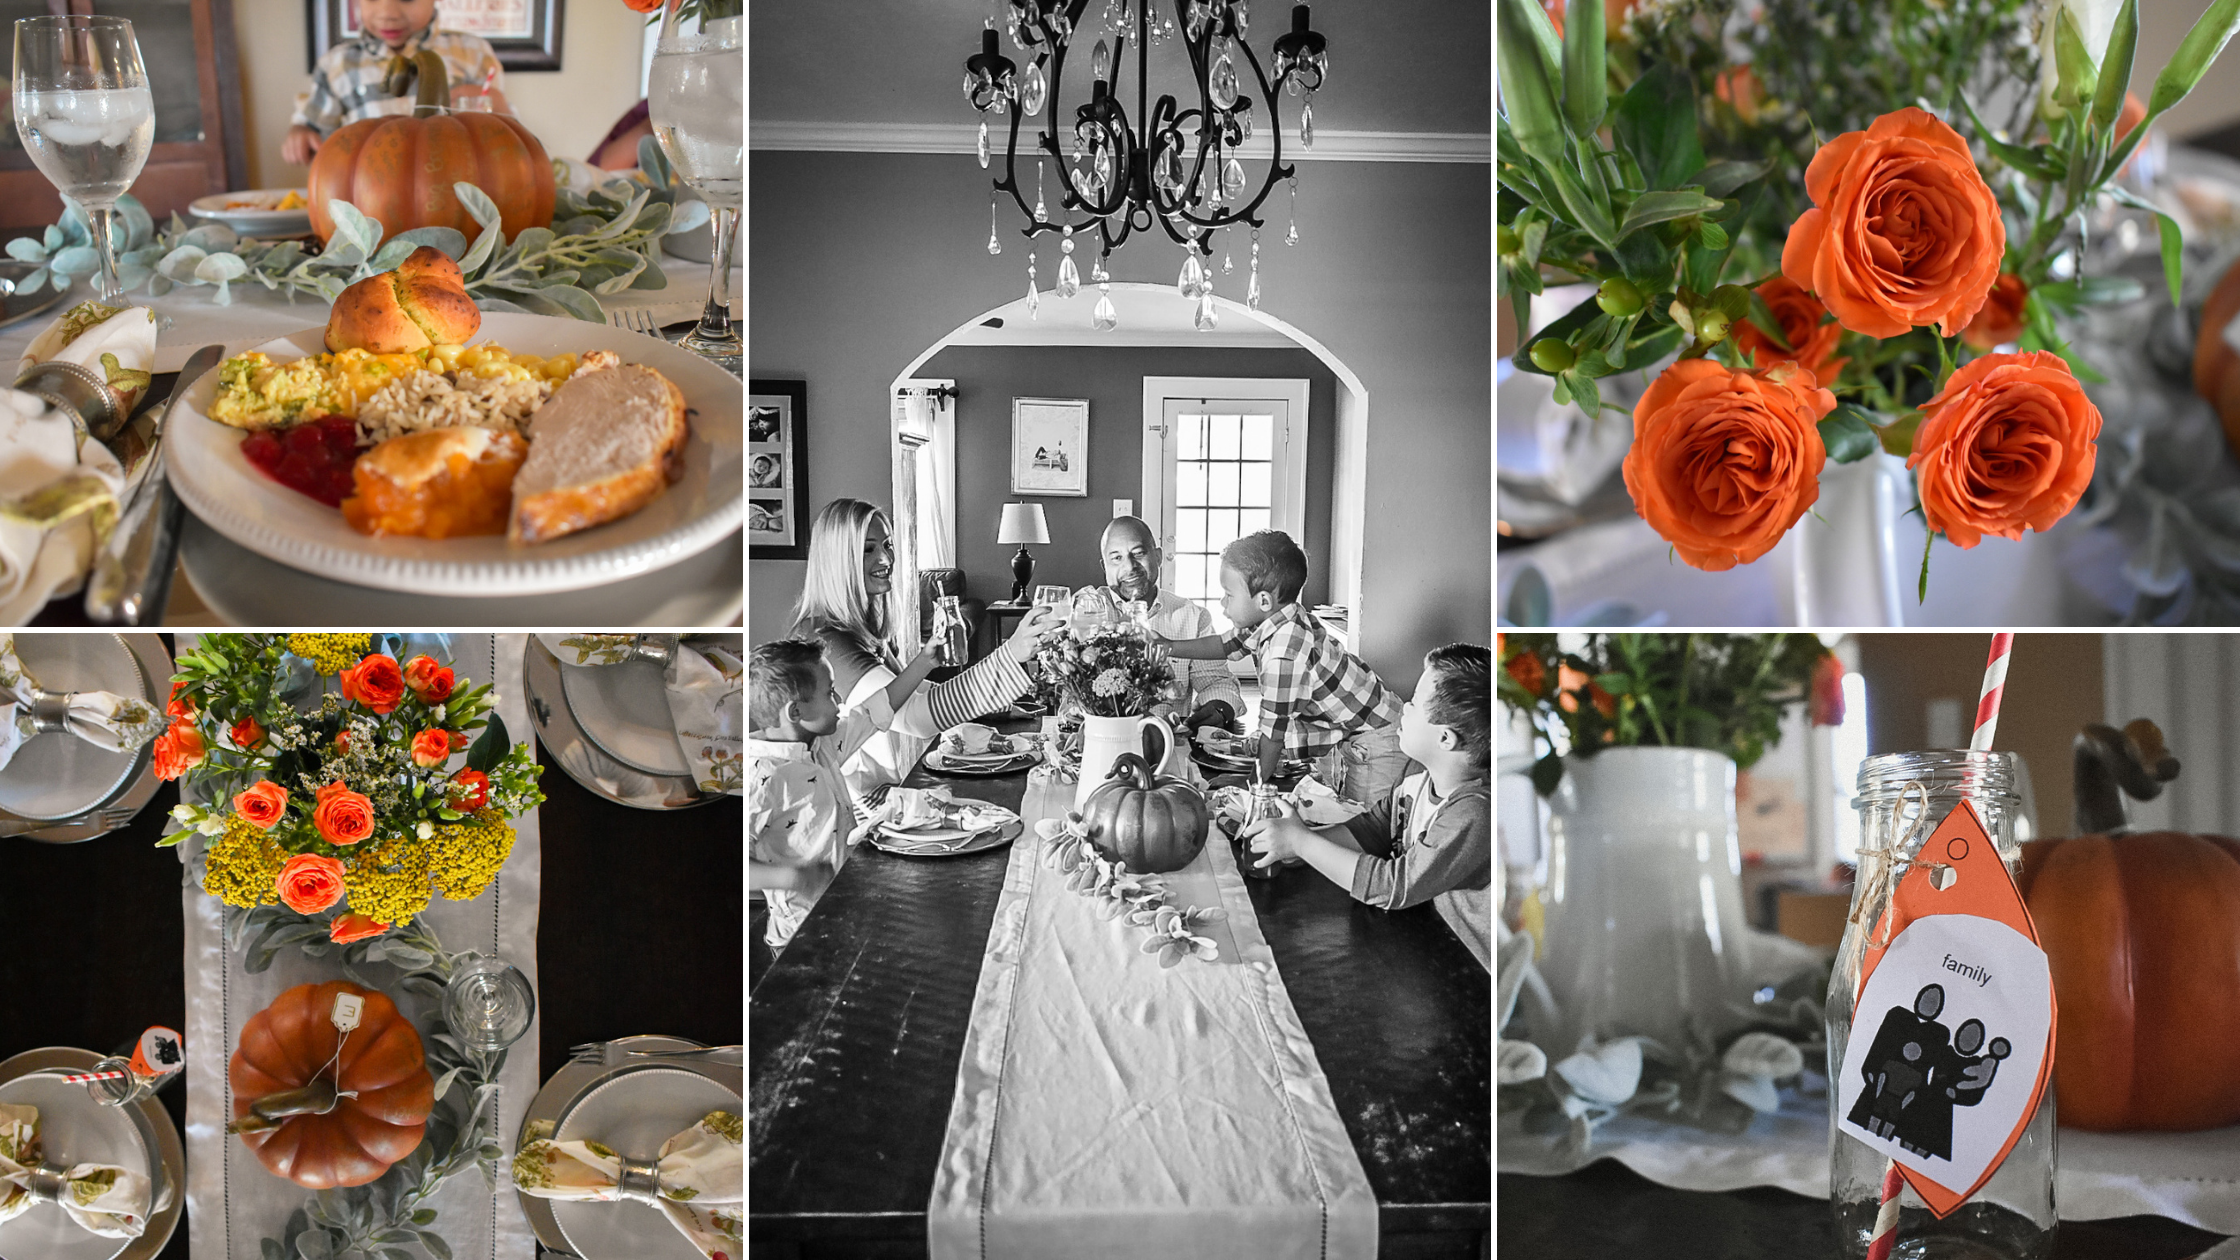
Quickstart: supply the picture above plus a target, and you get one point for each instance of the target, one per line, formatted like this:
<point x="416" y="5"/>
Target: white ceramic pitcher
<point x="1105" y="739"/>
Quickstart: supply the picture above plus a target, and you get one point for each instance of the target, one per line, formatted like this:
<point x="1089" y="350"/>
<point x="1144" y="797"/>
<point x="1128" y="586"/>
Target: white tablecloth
<point x="258" y="314"/>
<point x="2193" y="1178"/>
<point x="232" y="1201"/>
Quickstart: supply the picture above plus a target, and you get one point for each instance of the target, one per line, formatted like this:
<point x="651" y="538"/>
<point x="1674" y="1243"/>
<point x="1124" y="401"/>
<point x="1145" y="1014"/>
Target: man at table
<point x="1132" y="564"/>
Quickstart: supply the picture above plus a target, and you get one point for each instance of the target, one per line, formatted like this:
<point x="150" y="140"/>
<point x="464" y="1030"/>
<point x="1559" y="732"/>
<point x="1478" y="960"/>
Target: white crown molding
<point x="1330" y="146"/>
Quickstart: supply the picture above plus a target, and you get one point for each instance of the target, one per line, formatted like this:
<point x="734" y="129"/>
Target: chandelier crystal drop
<point x="1252" y="283"/>
<point x="1129" y="161"/>
<point x="1034" y="295"/>
<point x="1106" y="317"/>
<point x="995" y="242"/>
<point x="1069" y="276"/>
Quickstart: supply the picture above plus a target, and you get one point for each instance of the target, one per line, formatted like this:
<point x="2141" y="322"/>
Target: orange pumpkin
<point x="280" y="1078"/>
<point x="2143" y="934"/>
<point x="1155" y="824"/>
<point x="400" y="170"/>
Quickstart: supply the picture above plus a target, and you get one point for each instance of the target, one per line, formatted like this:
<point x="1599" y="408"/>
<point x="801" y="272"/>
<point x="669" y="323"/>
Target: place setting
<point x="80" y="715"/>
<point x="930" y="822"/>
<point x="650" y="721"/>
<point x="379" y="394"/>
<point x="91" y="1165"/>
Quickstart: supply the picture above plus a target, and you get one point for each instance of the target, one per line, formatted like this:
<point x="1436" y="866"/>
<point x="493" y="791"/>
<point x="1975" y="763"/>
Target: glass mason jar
<point x="2012" y="1217"/>
<point x="950" y="640"/>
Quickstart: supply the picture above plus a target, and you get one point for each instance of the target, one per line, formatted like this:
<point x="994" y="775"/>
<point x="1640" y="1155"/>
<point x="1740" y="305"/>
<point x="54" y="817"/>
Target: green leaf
<point x="75" y="261"/>
<point x="2078" y="77"/>
<point x="476" y="202"/>
<point x="1722" y="178"/>
<point x="1712" y="235"/>
<point x="1922" y="596"/>
<point x="1656" y="123"/>
<point x="1528" y="95"/>
<point x="1847" y="435"/>
<point x="1586" y="84"/>
<point x="351" y="225"/>
<point x="2020" y="157"/>
<point x="490" y="747"/>
<point x="1615" y="684"/>
<point x="24" y="249"/>
<point x="1762" y="318"/>
<point x="269" y="1248"/>
<point x="1572" y="321"/>
<point x="1585" y="393"/>
<point x="1661" y="207"/>
<point x="424" y="1216"/>
<point x="434" y="1246"/>
<point x="2115" y="67"/>
<point x="1546" y="773"/>
<point x="2173" y="256"/>
<point x="2200" y="47"/>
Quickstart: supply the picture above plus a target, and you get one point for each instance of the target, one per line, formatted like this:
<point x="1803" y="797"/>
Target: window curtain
<point x="924" y="425"/>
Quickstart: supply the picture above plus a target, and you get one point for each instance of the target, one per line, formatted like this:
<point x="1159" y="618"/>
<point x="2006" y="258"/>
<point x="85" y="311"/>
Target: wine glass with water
<point x="694" y="97"/>
<point x="85" y="114"/>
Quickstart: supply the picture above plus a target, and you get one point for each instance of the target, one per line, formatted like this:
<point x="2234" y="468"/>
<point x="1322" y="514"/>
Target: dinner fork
<point x="637" y="319"/>
<point x="611" y="1054"/>
<point x="106" y="819"/>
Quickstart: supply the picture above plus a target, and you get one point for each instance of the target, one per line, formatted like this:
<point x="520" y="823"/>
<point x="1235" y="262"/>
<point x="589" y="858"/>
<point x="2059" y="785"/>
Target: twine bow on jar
<point x="1878" y="882"/>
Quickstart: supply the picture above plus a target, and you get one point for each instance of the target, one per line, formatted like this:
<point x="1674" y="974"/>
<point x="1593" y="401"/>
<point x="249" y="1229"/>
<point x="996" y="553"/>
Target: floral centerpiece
<point x="350" y="810"/>
<point x="1803" y="201"/>
<point x="1105" y="672"/>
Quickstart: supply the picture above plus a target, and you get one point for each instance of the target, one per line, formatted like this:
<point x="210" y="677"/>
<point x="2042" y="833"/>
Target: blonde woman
<point x="848" y="604"/>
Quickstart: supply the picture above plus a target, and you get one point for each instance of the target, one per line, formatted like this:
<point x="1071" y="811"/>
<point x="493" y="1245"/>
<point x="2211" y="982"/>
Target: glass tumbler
<point x="488" y="1004"/>
<point x="2012" y="1216"/>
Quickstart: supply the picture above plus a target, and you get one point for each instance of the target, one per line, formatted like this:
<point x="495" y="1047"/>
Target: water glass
<point x="694" y="96"/>
<point x="488" y="1004"/>
<point x="86" y="116"/>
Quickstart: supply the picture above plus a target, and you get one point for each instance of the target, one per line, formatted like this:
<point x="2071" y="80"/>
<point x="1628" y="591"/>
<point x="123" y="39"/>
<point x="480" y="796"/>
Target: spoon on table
<point x="132" y="574"/>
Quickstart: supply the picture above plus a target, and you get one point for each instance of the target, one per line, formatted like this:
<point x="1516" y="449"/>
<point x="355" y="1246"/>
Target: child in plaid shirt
<point x="800" y="815"/>
<point x="1431" y="839"/>
<point x="346" y="86"/>
<point x="1317" y="700"/>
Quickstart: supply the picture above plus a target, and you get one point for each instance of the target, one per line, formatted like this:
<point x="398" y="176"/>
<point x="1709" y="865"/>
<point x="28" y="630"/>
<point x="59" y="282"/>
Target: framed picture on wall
<point x="777" y="470"/>
<point x="524" y="33"/>
<point x="1050" y="446"/>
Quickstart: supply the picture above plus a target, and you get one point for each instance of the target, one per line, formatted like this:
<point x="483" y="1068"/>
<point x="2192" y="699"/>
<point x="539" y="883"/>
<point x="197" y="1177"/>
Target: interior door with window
<point x="1224" y="467"/>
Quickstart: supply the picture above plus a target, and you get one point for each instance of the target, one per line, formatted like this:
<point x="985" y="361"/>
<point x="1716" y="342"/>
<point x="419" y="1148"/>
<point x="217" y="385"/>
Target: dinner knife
<point x="131" y="579"/>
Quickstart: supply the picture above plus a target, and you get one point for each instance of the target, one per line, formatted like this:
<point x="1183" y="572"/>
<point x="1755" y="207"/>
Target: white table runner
<point x="1107" y="1107"/>
<point x="232" y="1201"/>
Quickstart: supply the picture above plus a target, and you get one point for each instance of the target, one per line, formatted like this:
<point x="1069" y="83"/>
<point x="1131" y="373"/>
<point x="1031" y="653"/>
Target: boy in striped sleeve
<point x="1317" y="700"/>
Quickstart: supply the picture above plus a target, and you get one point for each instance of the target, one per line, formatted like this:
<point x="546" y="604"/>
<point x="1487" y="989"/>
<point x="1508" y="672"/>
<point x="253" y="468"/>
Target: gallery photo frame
<point x="777" y="470"/>
<point x="1050" y="446"/>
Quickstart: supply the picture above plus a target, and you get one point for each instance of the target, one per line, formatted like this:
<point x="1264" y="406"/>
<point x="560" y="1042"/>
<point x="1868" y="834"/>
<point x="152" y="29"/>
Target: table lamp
<point x="1022" y="524"/>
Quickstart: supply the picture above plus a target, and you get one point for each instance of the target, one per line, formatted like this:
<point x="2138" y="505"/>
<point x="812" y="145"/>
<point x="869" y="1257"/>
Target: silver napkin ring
<point x="77" y="390"/>
<point x="50" y="710"/>
<point x="49" y="1182"/>
<point x="640" y="1181"/>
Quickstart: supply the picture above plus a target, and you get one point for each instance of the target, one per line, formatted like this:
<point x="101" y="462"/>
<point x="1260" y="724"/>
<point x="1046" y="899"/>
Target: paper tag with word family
<point x="1952" y="1036"/>
<point x="160" y="1052"/>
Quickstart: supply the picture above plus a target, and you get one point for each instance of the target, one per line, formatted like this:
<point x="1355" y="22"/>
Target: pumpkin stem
<point x="315" y="1098"/>
<point x="434" y="95"/>
<point x="2111" y="764"/>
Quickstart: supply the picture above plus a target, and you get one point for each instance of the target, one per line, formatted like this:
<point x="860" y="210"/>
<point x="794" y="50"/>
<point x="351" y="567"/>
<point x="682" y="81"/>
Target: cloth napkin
<point x="701" y="1173"/>
<point x="105" y="1199"/>
<point x="101" y="718"/>
<point x="706" y="678"/>
<point x="117" y="343"/>
<point x="58" y="500"/>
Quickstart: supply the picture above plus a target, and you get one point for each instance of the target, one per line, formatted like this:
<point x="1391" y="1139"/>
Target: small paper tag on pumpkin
<point x="1951" y="1040"/>
<point x="348" y="1007"/>
<point x="159" y="1053"/>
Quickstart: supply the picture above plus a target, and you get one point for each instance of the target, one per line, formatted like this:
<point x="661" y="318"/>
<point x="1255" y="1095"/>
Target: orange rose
<point x="471" y="790"/>
<point x="1903" y="232"/>
<point x="428" y="680"/>
<point x="341" y="815"/>
<point x="1811" y="339"/>
<point x="179" y="750"/>
<point x="1724" y="462"/>
<point x="309" y="883"/>
<point x="2007" y="446"/>
<point x="374" y="682"/>
<point x="2133" y="113"/>
<point x="1739" y="86"/>
<point x="1529" y="670"/>
<point x="179" y="706"/>
<point x="1570" y="682"/>
<point x="2000" y="320"/>
<point x="354" y="927"/>
<point x="263" y="803"/>
<point x="1825" y="705"/>
<point x="431" y="748"/>
<point x="247" y="734"/>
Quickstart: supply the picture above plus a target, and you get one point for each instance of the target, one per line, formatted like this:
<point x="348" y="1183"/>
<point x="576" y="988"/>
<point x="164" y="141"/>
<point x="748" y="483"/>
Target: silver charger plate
<point x="78" y="1128"/>
<point x="624" y="710"/>
<point x="128" y="797"/>
<point x="634" y="1110"/>
<point x="55" y="774"/>
<point x="574" y="1080"/>
<point x="20" y="306"/>
<point x="582" y="757"/>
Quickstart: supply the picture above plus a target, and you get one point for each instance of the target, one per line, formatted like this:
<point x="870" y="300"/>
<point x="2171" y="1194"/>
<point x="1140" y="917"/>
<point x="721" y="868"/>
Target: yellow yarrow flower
<point x="388" y="880"/>
<point x="465" y="856"/>
<point x="330" y="654"/>
<point x="243" y="865"/>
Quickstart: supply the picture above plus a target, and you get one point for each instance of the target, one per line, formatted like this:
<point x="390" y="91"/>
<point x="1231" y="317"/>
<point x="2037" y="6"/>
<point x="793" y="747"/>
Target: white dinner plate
<point x="55" y="774"/>
<point x="73" y="1129"/>
<point x="937" y="762"/>
<point x="257" y="217"/>
<point x="981" y="842"/>
<point x="221" y="487"/>
<point x="634" y="1111"/>
<point x="624" y="709"/>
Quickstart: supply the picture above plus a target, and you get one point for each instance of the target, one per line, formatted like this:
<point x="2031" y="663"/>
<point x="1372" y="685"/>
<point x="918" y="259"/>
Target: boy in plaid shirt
<point x="1317" y="700"/>
<point x="346" y="86"/>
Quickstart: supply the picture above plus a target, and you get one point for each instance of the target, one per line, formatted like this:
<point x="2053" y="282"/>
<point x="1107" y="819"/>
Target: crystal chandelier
<point x="1174" y="167"/>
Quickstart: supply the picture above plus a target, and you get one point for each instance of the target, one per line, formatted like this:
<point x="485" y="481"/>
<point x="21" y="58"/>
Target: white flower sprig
<point x="1140" y="899"/>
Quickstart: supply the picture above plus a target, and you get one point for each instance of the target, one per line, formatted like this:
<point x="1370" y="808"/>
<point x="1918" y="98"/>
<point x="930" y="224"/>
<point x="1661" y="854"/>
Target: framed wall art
<point x="524" y="33"/>
<point x="1050" y="446"/>
<point x="777" y="470"/>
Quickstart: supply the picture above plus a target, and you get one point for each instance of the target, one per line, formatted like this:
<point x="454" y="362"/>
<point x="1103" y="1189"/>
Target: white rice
<point x="429" y="400"/>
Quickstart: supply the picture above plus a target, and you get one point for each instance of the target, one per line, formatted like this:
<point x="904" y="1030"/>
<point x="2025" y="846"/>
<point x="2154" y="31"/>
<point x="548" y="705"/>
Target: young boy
<point x="346" y="86"/>
<point x="799" y="812"/>
<point x="1432" y="838"/>
<point x="1317" y="700"/>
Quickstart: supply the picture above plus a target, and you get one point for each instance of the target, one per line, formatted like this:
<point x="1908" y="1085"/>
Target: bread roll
<point x="603" y="446"/>
<point x="422" y="303"/>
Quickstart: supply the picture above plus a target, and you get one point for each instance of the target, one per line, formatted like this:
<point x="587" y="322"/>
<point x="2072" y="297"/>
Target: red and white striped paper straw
<point x="1987" y="727"/>
<point x="80" y="1078"/>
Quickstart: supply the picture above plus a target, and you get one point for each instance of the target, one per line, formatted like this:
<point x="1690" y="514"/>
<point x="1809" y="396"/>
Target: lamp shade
<point x="1022" y="523"/>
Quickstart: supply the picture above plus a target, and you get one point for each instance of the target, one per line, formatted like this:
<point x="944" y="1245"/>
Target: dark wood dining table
<point x="855" y="1031"/>
<point x="638" y="932"/>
